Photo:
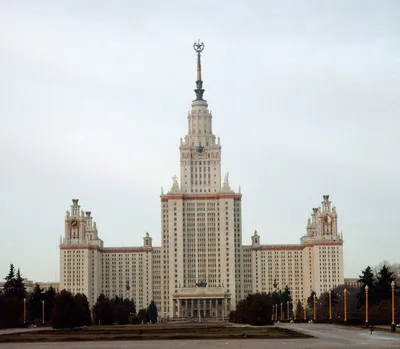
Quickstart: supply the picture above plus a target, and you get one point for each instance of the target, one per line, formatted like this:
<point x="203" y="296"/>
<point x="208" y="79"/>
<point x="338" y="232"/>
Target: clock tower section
<point x="80" y="254"/>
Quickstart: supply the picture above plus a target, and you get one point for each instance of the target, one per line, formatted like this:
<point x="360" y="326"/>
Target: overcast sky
<point x="95" y="95"/>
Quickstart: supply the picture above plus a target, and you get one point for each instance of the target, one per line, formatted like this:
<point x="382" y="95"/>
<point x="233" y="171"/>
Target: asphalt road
<point x="328" y="337"/>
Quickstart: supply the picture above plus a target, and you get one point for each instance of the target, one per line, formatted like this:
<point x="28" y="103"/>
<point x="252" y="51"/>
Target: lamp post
<point x="345" y="306"/>
<point x="273" y="313"/>
<point x="24" y="311"/>
<point x="281" y="311"/>
<point x="330" y="306"/>
<point x="42" y="311"/>
<point x="288" y="310"/>
<point x="294" y="310"/>
<point x="366" y="306"/>
<point x="393" y="326"/>
<point x="305" y="310"/>
<point x="276" y="312"/>
<point x="315" y="308"/>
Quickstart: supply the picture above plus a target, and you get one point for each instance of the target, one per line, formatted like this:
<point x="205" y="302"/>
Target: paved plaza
<point x="327" y="336"/>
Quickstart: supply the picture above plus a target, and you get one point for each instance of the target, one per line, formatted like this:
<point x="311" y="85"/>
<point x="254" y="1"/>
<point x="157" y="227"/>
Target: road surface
<point x="327" y="336"/>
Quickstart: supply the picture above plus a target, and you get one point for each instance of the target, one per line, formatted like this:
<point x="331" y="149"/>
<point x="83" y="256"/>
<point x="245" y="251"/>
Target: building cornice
<point x="107" y="249"/>
<point x="199" y="197"/>
<point x="294" y="247"/>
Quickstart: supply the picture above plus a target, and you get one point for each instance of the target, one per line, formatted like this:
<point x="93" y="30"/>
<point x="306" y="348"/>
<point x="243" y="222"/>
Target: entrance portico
<point x="201" y="302"/>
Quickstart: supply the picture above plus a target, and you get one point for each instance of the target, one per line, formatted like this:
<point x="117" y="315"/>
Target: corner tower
<point x="80" y="254"/>
<point x="201" y="223"/>
<point x="322" y="250"/>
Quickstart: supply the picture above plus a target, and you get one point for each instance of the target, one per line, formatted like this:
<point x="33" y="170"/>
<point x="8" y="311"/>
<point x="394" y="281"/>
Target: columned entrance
<point x="201" y="302"/>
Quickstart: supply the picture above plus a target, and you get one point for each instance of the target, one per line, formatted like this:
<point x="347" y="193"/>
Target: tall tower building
<point x="201" y="223"/>
<point x="202" y="268"/>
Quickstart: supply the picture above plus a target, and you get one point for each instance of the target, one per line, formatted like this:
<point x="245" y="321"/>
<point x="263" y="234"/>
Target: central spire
<point x="199" y="47"/>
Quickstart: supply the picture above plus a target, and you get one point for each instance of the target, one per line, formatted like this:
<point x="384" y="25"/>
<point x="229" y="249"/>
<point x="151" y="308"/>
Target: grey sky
<point x="94" y="100"/>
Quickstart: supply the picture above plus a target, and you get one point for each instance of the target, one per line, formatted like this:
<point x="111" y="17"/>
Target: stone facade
<point x="201" y="268"/>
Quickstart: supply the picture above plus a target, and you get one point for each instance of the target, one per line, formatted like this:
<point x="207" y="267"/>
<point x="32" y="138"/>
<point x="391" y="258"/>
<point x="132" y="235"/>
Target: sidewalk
<point x="22" y="330"/>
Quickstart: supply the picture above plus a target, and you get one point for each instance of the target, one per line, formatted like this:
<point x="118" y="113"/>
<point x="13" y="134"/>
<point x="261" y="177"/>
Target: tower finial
<point x="199" y="47"/>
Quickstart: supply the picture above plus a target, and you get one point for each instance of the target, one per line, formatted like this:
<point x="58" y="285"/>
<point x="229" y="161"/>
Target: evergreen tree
<point x="299" y="311"/>
<point x="383" y="288"/>
<point x="65" y="312"/>
<point x="255" y="309"/>
<point x="338" y="299"/>
<point x="152" y="312"/>
<point x="323" y="304"/>
<point x="129" y="306"/>
<point x="11" y="312"/>
<point x="142" y="314"/>
<point x="107" y="311"/>
<point x="334" y="299"/>
<point x="286" y="295"/>
<point x="35" y="304"/>
<point x="366" y="278"/>
<point x="276" y="297"/>
<point x="103" y="312"/>
<point x="9" y="285"/>
<point x="310" y="300"/>
<point x="121" y="316"/>
<point x="49" y="300"/>
<point x="324" y="299"/>
<point x="83" y="317"/>
<point x="19" y="286"/>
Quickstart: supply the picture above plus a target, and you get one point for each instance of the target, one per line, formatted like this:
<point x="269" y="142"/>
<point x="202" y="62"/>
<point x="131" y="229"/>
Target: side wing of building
<point x="314" y="265"/>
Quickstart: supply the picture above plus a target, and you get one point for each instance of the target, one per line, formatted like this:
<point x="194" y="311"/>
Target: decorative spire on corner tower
<point x="226" y="187"/>
<point x="175" y="186"/>
<point x="199" y="47"/>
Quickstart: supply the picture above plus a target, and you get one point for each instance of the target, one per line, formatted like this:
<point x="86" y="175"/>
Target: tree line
<point x="264" y="308"/>
<point x="64" y="310"/>
<point x="19" y="308"/>
<point x="259" y="309"/>
<point x="379" y="300"/>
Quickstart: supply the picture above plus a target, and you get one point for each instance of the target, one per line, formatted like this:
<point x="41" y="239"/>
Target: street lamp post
<point x="330" y="306"/>
<point x="273" y="312"/>
<point x="281" y="311"/>
<point x="24" y="311"/>
<point x="305" y="310"/>
<point x="315" y="308"/>
<point x="42" y="311"/>
<point x="345" y="306"/>
<point x="294" y="310"/>
<point x="393" y="326"/>
<point x="366" y="306"/>
<point x="276" y="312"/>
<point x="288" y="310"/>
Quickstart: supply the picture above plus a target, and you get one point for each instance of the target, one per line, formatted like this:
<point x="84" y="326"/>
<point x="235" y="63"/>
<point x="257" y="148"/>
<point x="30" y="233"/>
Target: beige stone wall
<point x="157" y="275"/>
<point x="128" y="266"/>
<point x="247" y="271"/>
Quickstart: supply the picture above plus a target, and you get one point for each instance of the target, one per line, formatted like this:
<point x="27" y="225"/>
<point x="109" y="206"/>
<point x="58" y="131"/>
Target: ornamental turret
<point x="323" y="222"/>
